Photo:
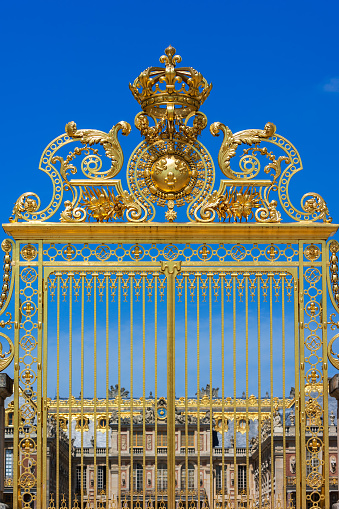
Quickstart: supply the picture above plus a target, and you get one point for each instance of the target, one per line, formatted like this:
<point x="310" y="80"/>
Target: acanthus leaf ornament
<point x="231" y="142"/>
<point x="27" y="202"/>
<point x="109" y="141"/>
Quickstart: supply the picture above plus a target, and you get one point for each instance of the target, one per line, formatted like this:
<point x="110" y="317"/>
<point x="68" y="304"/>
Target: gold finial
<point x="168" y="58"/>
<point x="186" y="98"/>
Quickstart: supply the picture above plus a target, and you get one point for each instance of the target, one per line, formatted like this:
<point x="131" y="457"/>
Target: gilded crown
<point x="185" y="88"/>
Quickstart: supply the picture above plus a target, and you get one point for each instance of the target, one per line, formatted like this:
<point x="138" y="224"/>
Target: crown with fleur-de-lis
<point x="184" y="90"/>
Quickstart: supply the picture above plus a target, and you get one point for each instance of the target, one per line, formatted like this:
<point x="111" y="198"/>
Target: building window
<point x="9" y="463"/>
<point x="137" y="477"/>
<point x="10" y="418"/>
<point x="162" y="439"/>
<point x="63" y="422"/>
<point x="162" y="476"/>
<point x="219" y="486"/>
<point x="101" y="479"/>
<point x="312" y="462"/>
<point x="190" y="476"/>
<point x="78" y="479"/>
<point x="137" y="439"/>
<point x="190" y="439"/>
<point x="82" y="424"/>
<point x="102" y="423"/>
<point x="242" y="479"/>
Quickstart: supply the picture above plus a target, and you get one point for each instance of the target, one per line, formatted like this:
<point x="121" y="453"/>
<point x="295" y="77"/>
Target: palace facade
<point x="219" y="456"/>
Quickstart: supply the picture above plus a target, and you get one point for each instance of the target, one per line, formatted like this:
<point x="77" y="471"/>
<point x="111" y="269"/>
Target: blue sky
<point x="268" y="61"/>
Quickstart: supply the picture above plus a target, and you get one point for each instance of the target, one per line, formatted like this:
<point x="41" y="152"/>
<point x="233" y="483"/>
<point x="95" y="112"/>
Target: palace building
<point x="104" y="445"/>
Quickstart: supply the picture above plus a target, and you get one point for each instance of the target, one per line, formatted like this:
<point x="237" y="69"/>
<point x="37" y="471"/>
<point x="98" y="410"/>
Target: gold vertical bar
<point x="259" y="385"/>
<point x="283" y="384"/>
<point x="39" y="377"/>
<point x="223" y="390"/>
<point x="95" y="387"/>
<point x="131" y="382"/>
<point x="143" y="391"/>
<point x="44" y="415"/>
<point x="171" y="387"/>
<point x="297" y="286"/>
<point x="156" y="384"/>
<point x="271" y="390"/>
<point x="186" y="395"/>
<point x="107" y="400"/>
<point x="325" y="456"/>
<point x="58" y="397"/>
<point x="70" y="331"/>
<point x="82" y="385"/>
<point x="247" y="408"/>
<point x="211" y="382"/>
<point x="302" y="380"/>
<point x="16" y="451"/>
<point x="198" y="386"/>
<point x="235" y="390"/>
<point x="119" y="386"/>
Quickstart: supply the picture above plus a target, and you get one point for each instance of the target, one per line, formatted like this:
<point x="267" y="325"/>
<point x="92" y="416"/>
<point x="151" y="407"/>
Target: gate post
<point x="171" y="269"/>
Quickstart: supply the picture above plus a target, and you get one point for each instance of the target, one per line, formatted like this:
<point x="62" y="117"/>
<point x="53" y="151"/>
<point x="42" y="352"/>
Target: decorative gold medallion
<point x="312" y="252"/>
<point x="29" y="252"/>
<point x="171" y="174"/>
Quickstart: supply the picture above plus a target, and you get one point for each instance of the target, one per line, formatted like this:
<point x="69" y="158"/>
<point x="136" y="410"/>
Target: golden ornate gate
<point x="232" y="301"/>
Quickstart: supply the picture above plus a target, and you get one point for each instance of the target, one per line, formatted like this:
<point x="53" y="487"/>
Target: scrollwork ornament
<point x="6" y="358"/>
<point x="72" y="214"/>
<point x="209" y="207"/>
<point x="135" y="211"/>
<point x="334" y="325"/>
<point x="269" y="214"/>
<point x="332" y="356"/>
<point x="109" y="142"/>
<point x="8" y="322"/>
<point x="27" y="202"/>
<point x="313" y="203"/>
<point x="231" y="142"/>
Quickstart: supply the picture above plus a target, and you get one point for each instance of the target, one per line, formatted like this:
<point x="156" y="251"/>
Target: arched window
<point x="190" y="477"/>
<point x="162" y="476"/>
<point x="137" y="477"/>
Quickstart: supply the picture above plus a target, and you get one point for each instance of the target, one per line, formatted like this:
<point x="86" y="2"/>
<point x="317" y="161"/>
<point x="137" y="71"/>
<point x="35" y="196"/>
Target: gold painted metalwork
<point x="171" y="167"/>
<point x="312" y="252"/>
<point x="237" y="254"/>
<point x="6" y="246"/>
<point x="187" y="99"/>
